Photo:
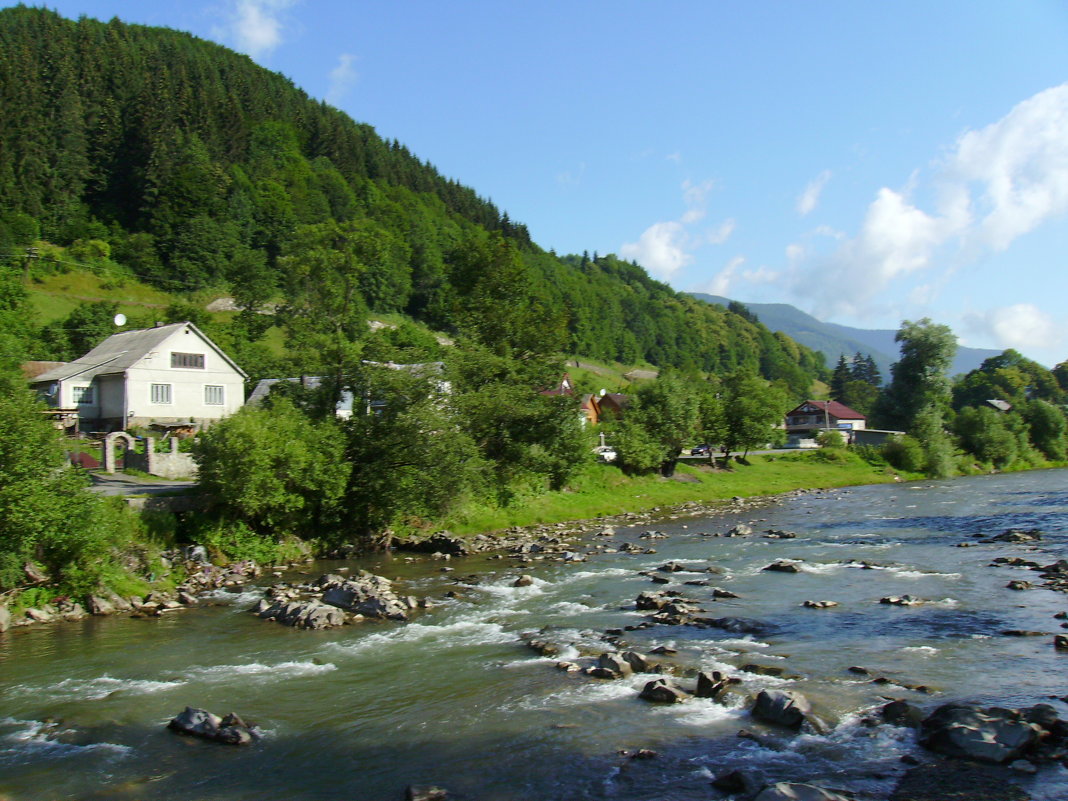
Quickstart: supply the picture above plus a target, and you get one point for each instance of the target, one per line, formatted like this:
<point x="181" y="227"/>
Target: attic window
<point x="193" y="360"/>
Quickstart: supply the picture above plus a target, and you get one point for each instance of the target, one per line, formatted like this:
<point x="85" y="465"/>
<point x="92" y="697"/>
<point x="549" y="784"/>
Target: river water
<point x="454" y="698"/>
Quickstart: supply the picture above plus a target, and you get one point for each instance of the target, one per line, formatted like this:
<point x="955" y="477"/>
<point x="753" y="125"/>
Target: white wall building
<point x="170" y="374"/>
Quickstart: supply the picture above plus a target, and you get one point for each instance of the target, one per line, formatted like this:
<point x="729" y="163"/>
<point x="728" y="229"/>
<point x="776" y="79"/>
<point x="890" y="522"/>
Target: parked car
<point x="700" y="450"/>
<point x="605" y="453"/>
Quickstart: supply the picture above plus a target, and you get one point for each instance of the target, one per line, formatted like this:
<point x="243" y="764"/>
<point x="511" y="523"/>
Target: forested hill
<point x="150" y="151"/>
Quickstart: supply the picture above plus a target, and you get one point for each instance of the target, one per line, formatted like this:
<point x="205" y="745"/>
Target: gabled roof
<point x="265" y="385"/>
<point x="838" y="410"/>
<point x="121" y="351"/>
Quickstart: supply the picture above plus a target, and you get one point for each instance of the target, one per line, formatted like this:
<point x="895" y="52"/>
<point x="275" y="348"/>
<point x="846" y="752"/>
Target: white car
<point x="605" y="453"/>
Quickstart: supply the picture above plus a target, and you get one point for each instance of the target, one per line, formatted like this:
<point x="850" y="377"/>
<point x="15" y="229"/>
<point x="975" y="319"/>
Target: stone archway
<point x="109" y="448"/>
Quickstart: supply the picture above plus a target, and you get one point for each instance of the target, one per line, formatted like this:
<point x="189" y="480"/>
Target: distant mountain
<point x="833" y="340"/>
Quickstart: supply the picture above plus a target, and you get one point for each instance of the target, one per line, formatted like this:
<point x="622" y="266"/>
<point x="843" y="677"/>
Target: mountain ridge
<point x="834" y="339"/>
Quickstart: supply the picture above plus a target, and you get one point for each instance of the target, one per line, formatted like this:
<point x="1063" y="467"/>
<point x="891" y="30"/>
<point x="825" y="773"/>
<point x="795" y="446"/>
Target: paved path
<point x="122" y="484"/>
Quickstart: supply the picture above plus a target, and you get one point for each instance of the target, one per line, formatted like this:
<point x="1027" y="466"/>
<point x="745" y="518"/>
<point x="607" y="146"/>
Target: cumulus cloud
<point x="1021" y="325"/>
<point x="1019" y="166"/>
<point x="666" y="247"/>
<point x="663" y="248"/>
<point x="810" y="198"/>
<point x="254" y="26"/>
<point x="342" y="78"/>
<point x="994" y="185"/>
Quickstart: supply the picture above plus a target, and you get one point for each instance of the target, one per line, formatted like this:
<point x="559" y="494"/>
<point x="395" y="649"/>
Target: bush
<point x="830" y="439"/>
<point x="904" y="453"/>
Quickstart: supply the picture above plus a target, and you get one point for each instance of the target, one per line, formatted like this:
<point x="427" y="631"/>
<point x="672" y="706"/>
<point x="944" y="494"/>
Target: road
<point x="121" y="484"/>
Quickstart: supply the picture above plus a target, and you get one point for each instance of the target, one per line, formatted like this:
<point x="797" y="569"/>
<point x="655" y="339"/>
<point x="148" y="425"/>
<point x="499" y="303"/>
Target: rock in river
<point x="201" y="723"/>
<point x="781" y="708"/>
<point x="986" y="734"/>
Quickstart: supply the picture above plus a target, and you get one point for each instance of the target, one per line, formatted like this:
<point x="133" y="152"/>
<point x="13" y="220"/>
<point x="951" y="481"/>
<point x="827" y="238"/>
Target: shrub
<point x="904" y="453"/>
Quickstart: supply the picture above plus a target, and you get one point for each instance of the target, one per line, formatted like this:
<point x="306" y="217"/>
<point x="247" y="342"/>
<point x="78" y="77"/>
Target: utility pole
<point x="31" y="254"/>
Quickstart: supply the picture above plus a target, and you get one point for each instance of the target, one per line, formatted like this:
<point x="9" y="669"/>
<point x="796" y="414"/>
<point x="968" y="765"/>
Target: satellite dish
<point x="603" y="392"/>
<point x="120" y="319"/>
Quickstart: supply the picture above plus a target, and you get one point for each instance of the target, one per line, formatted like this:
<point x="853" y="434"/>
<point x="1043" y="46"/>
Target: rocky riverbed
<point x="657" y="657"/>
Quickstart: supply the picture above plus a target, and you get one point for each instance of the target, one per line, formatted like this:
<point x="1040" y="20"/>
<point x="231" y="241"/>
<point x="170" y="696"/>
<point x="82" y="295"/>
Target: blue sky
<point x="866" y="162"/>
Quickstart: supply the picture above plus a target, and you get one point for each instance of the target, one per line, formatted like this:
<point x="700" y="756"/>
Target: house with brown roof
<point x="812" y="417"/>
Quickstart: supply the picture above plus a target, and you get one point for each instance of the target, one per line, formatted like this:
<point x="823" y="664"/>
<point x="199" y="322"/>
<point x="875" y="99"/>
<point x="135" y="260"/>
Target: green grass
<point x="605" y="490"/>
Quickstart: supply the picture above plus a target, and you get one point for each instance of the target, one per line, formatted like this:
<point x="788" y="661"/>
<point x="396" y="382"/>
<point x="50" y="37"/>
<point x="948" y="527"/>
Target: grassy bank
<point x="606" y="490"/>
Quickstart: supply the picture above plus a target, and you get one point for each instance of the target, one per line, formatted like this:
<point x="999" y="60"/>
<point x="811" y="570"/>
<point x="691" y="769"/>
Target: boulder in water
<point x="985" y="734"/>
<point x="231" y="729"/>
<point x="661" y="691"/>
<point x="781" y="708"/>
<point x="782" y="566"/>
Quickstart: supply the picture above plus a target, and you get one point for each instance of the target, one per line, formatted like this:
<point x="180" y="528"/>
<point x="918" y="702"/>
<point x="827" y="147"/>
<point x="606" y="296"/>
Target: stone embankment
<point x="201" y="578"/>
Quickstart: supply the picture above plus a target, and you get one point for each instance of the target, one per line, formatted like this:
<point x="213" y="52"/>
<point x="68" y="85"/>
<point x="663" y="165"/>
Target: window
<point x="214" y="395"/>
<point x="161" y="393"/>
<point x="194" y="360"/>
<point x="83" y="394"/>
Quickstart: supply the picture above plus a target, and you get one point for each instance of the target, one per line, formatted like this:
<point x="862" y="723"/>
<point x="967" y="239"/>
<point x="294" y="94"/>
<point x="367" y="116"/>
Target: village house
<point x="807" y="421"/>
<point x="167" y="376"/>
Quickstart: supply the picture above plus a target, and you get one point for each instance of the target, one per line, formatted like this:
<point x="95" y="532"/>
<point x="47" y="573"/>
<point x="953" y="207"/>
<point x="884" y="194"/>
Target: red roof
<point x="834" y="408"/>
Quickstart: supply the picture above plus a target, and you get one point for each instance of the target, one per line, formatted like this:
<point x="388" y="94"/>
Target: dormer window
<point x="189" y="360"/>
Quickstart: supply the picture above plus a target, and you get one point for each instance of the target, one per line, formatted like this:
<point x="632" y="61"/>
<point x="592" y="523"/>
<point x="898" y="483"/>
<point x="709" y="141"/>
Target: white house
<point x="170" y="374"/>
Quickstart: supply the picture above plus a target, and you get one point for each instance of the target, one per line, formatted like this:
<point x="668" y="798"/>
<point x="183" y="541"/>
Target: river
<point x="455" y="699"/>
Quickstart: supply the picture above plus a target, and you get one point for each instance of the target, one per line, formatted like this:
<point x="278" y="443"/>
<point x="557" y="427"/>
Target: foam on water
<point x="95" y="688"/>
<point x="31" y="740"/>
<point x="585" y="692"/>
<point x="258" y="670"/>
<point x="924" y="650"/>
<point x="447" y="635"/>
<point x="569" y="608"/>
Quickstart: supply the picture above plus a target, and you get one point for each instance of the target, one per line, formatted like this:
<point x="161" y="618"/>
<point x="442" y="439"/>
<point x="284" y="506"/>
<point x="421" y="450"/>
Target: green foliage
<point x="274" y="469"/>
<point x="234" y="541"/>
<point x="751" y="408"/>
<point x="1048" y="429"/>
<point x="938" y="456"/>
<point x="904" y="453"/>
<point x="919" y="383"/>
<point x="410" y="460"/>
<point x="47" y="514"/>
<point x="983" y="433"/>
<point x="1009" y="377"/>
<point x="860" y="396"/>
<point x="831" y="439"/>
<point x="664" y="416"/>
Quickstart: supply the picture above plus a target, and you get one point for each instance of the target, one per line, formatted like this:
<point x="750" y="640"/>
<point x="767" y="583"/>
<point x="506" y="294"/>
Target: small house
<point x="168" y="375"/>
<point x="812" y="417"/>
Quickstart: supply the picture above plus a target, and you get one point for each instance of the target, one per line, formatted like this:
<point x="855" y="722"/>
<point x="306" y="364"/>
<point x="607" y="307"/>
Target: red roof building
<point x="814" y="416"/>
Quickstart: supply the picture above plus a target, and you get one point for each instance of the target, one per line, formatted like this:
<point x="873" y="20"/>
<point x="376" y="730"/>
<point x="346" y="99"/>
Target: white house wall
<point x="187" y="383"/>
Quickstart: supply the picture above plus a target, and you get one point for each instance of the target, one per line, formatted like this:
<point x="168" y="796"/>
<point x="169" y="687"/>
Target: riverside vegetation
<point x="211" y="173"/>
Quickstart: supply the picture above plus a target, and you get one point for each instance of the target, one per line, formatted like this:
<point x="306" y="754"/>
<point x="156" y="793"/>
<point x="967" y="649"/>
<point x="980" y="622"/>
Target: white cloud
<point x="723" y="280"/>
<point x="1020" y="163"/>
<point x="761" y="275"/>
<point x="1022" y="326"/>
<point x="810" y="198"/>
<point x="666" y="247"/>
<point x="663" y="248"/>
<point x="994" y="185"/>
<point x="254" y="26"/>
<point x="717" y="236"/>
<point x="342" y="78"/>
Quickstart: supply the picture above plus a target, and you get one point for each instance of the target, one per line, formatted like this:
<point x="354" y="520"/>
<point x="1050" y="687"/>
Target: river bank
<point x="457" y="698"/>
